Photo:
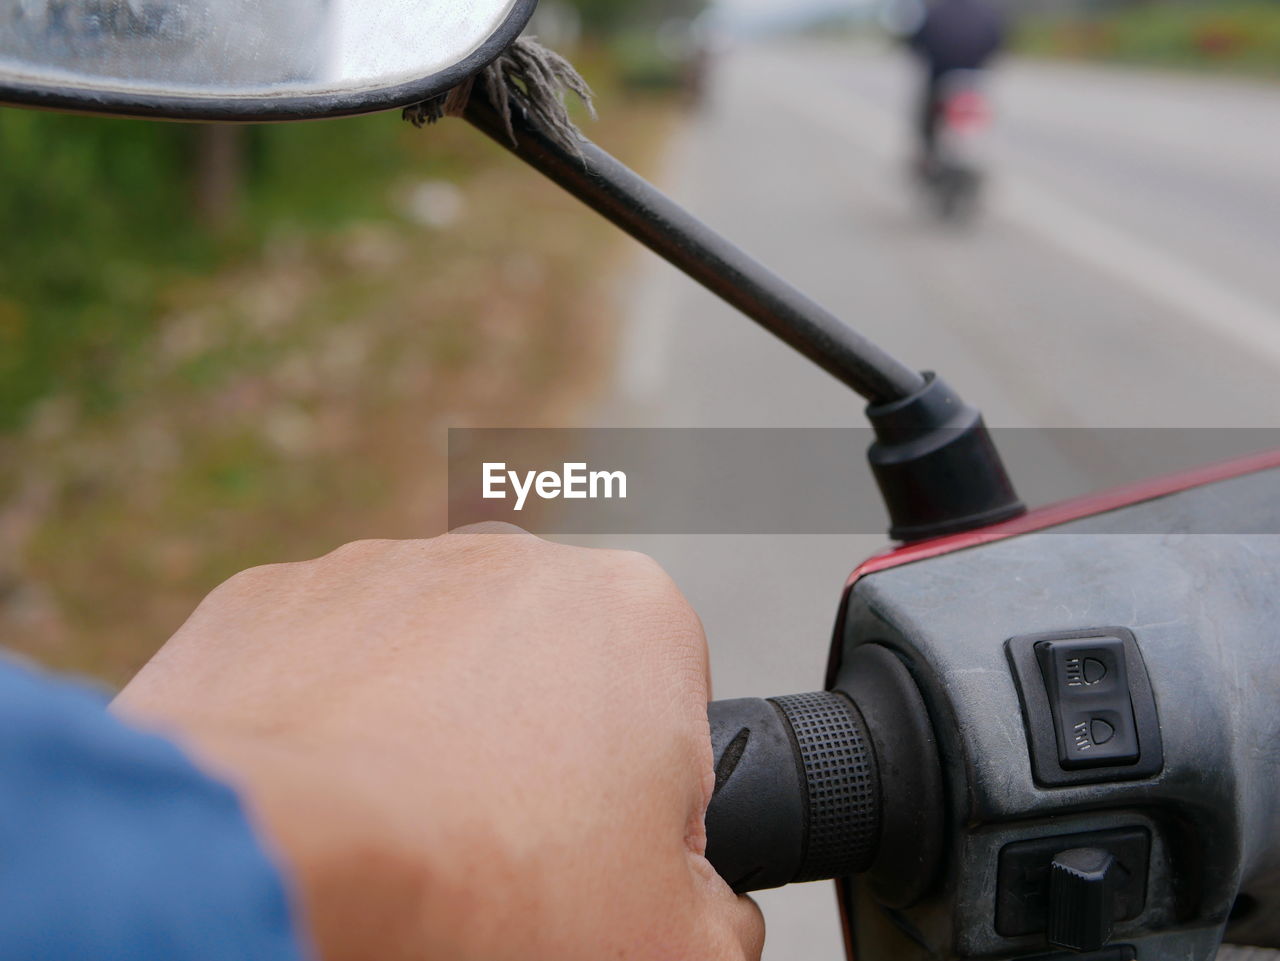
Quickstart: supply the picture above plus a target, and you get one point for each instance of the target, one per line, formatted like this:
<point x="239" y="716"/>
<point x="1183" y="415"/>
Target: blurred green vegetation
<point x="607" y="17"/>
<point x="103" y="216"/>
<point x="1241" y="35"/>
<point x="222" y="347"/>
<point x="657" y="46"/>
<point x="671" y="62"/>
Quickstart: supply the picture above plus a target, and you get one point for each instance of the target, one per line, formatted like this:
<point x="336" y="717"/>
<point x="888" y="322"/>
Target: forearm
<point x="360" y="886"/>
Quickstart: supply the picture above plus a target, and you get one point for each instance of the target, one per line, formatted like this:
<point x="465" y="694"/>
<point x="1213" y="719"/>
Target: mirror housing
<point x="244" y="60"/>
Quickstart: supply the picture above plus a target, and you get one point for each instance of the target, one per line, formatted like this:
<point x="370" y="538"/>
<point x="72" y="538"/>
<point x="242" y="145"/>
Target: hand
<point x="473" y="748"/>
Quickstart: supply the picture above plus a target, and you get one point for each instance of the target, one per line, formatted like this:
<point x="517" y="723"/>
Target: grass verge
<point x="1240" y="37"/>
<point x="181" y="401"/>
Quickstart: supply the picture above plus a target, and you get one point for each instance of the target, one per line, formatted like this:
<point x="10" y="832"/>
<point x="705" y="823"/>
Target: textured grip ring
<point x="836" y="760"/>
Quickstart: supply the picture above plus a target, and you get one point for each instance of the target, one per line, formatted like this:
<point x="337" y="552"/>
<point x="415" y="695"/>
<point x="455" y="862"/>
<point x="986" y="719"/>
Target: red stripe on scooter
<point x="1066" y="511"/>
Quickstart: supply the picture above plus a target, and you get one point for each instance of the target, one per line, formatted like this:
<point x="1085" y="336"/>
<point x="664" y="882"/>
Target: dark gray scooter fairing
<point x="1205" y="611"/>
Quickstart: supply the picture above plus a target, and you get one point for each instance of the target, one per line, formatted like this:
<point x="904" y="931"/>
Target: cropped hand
<point x="473" y="748"/>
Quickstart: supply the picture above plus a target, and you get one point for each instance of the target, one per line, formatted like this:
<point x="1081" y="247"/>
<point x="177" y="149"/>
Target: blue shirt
<point x="115" y="847"/>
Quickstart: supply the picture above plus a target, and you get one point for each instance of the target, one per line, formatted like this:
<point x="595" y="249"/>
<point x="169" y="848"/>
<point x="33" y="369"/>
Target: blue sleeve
<point x="115" y="847"/>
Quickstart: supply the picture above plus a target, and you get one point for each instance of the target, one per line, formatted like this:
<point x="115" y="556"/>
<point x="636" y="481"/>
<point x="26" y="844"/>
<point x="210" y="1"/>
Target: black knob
<point x="1082" y="898"/>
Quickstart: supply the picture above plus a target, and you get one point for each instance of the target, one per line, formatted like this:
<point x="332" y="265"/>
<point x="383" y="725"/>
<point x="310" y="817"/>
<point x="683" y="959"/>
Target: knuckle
<point x="360" y="549"/>
<point x="647" y="595"/>
<point x="253" y="579"/>
<point x="490" y="545"/>
<point x="656" y="590"/>
<point x="640" y="569"/>
<point x="492" y="527"/>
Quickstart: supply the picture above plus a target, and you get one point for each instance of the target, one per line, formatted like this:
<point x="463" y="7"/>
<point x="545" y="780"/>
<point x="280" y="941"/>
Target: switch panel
<point x="1087" y="706"/>
<point x="1088" y="688"/>
<point x="1024" y="886"/>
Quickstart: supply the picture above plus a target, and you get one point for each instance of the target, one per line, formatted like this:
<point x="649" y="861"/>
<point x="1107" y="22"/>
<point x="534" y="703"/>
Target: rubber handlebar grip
<point x="797" y="796"/>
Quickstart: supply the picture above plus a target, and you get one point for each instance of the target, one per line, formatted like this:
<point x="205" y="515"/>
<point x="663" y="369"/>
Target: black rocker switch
<point x="1073" y="887"/>
<point x="1083" y="884"/>
<point x="1088" y="687"/>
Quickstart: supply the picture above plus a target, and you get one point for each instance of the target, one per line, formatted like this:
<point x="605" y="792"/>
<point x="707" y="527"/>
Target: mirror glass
<point x="246" y="56"/>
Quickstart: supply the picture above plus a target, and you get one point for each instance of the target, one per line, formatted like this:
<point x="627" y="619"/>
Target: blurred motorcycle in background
<point x="952" y="177"/>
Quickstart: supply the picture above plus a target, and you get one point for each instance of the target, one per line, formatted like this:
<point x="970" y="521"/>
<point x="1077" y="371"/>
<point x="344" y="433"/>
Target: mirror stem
<point x="633" y="204"/>
<point x="935" y="463"/>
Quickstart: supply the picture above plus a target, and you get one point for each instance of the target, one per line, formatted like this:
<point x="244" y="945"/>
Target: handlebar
<point x="797" y="794"/>
<point x="827" y="785"/>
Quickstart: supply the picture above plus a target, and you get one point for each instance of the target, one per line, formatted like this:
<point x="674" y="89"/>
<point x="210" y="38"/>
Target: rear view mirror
<point x="246" y="59"/>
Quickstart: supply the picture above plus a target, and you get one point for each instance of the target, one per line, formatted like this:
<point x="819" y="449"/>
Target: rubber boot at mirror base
<point x="1187" y="847"/>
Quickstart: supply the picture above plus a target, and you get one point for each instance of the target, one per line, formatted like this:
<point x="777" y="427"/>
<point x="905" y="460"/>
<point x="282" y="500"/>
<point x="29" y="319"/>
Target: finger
<point x="739" y="924"/>
<point x="747" y="922"/>
<point x="737" y="918"/>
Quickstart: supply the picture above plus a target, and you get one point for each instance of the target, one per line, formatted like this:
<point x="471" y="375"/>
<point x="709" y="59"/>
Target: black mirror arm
<point x="936" y="465"/>
<point x="637" y="207"/>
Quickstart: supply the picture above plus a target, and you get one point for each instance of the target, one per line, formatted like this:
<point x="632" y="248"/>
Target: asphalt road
<point x="1124" y="273"/>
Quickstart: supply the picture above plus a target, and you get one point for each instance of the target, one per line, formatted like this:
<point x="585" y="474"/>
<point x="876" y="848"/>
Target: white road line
<point x="650" y="318"/>
<point x="646" y="333"/>
<point x="1162" y="276"/>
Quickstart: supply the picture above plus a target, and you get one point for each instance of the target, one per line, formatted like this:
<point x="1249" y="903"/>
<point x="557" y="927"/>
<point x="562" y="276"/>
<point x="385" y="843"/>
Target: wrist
<point x="359" y="888"/>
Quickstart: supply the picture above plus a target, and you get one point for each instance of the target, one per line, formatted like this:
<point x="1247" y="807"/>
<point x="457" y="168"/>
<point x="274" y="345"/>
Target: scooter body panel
<point x="1202" y="602"/>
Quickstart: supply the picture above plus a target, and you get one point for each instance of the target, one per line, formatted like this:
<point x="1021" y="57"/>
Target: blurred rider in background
<point x="948" y="36"/>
